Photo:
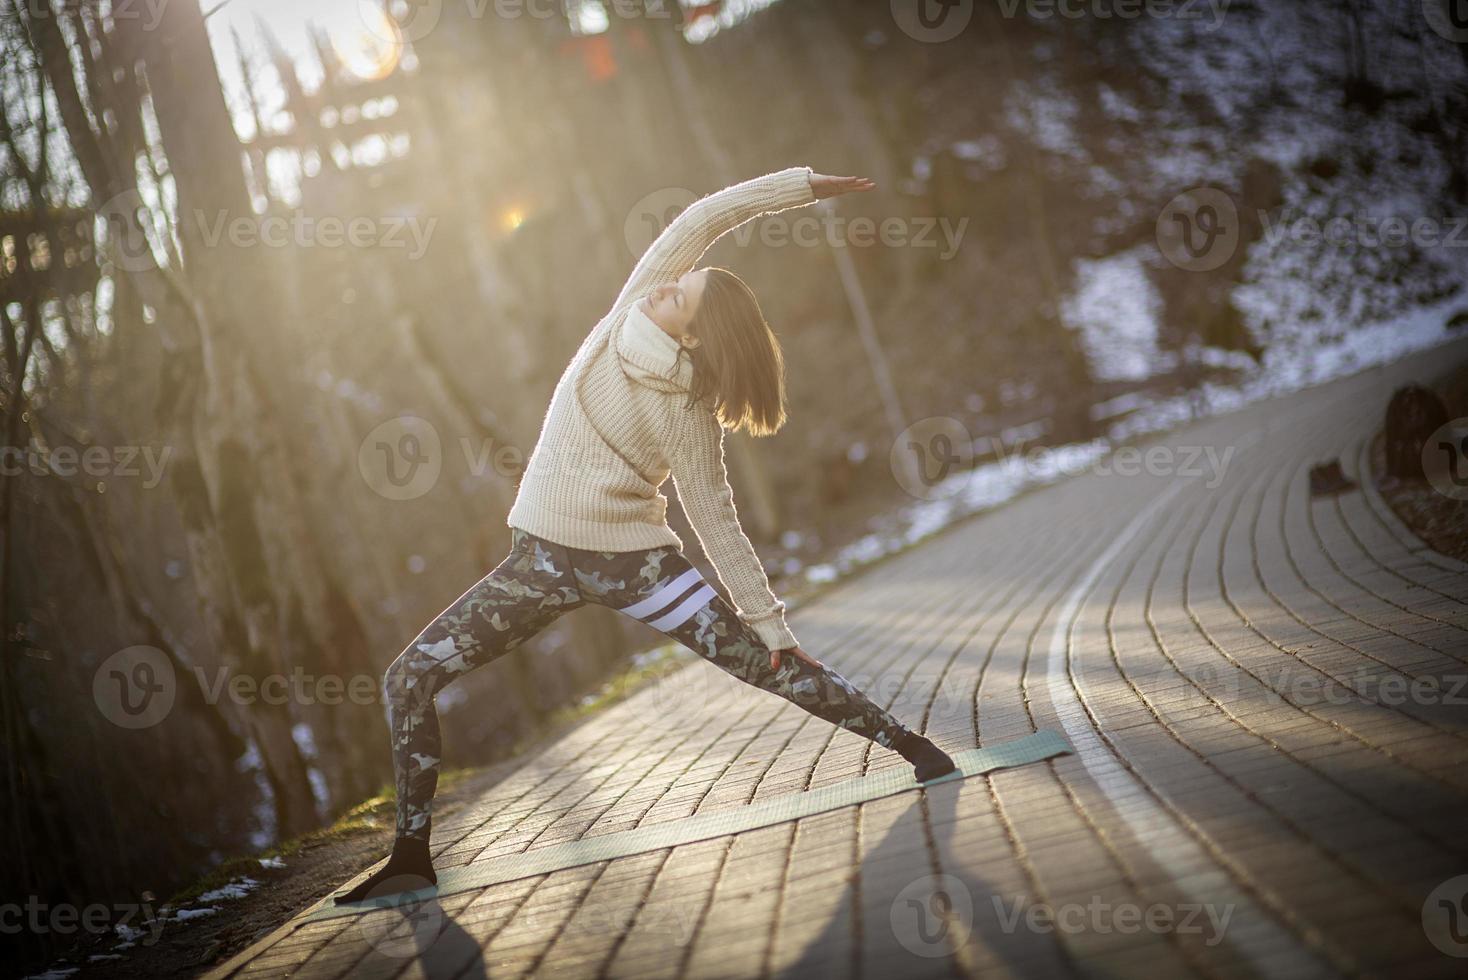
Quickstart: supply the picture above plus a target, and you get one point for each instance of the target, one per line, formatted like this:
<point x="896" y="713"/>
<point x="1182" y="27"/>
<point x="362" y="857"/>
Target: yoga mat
<point x="589" y="850"/>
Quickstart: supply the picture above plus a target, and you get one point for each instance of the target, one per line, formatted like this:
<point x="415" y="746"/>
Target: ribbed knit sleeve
<point x="690" y="234"/>
<point x="701" y="478"/>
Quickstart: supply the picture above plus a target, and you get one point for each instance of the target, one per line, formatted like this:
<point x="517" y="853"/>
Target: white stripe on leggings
<point x="646" y="607"/>
<point x="685" y="609"/>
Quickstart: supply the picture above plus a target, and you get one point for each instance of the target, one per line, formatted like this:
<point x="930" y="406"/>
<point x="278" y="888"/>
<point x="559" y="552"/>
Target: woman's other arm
<point x="702" y="481"/>
<point x="689" y="235"/>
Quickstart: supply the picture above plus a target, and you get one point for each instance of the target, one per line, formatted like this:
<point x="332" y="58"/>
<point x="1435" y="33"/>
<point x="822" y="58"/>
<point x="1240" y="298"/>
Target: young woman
<point x="684" y="355"/>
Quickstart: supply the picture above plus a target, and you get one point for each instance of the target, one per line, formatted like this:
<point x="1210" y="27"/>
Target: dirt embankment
<point x="256" y="894"/>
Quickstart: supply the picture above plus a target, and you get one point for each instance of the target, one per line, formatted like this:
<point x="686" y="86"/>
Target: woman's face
<point x="674" y="306"/>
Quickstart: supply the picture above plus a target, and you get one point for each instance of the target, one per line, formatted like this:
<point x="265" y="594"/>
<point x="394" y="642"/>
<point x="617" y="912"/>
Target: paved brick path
<point x="1256" y="789"/>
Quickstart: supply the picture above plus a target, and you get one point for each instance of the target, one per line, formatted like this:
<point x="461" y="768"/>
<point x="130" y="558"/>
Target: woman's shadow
<point x="419" y="929"/>
<point x="913" y="920"/>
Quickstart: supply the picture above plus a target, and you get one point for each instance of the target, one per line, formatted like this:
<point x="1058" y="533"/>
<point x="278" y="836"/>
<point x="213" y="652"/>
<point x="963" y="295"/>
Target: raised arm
<point x="690" y="234"/>
<point x="699" y="474"/>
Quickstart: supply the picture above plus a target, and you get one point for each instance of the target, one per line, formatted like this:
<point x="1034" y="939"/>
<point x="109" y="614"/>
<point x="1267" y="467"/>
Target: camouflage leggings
<point x="540" y="580"/>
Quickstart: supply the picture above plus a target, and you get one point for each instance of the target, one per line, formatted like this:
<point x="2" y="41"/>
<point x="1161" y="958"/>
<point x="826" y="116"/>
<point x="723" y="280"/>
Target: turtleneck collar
<point x="649" y="356"/>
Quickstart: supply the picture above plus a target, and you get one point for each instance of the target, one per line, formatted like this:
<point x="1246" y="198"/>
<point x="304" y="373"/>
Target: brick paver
<point x="1258" y="787"/>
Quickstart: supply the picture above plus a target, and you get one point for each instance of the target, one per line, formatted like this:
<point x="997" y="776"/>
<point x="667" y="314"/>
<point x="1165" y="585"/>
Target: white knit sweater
<point x="617" y="428"/>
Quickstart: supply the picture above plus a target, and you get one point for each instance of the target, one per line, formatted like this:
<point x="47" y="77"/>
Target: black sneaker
<point x="928" y="761"/>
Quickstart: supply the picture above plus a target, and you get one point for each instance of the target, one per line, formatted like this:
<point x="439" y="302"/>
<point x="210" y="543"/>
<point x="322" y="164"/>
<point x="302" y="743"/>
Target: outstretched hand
<point x="799" y="654"/>
<point x="823" y="186"/>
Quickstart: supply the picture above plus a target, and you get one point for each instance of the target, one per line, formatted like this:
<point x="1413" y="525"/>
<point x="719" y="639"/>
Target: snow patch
<point x="1116" y="308"/>
<point x="985" y="487"/>
<point x="128" y="934"/>
<point x="236" y="889"/>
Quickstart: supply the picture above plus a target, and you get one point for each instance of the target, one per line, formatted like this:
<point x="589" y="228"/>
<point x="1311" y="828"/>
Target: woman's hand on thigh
<point x="797" y="652"/>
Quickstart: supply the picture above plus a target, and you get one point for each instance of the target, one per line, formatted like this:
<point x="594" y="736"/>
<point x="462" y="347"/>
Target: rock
<point x="1326" y="479"/>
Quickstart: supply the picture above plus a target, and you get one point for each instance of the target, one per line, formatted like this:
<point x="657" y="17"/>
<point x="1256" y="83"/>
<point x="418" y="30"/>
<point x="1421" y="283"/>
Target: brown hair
<point x="738" y="366"/>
